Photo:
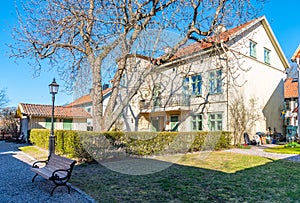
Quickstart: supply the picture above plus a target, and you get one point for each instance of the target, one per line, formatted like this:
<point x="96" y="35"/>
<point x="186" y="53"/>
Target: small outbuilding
<point x="38" y="116"/>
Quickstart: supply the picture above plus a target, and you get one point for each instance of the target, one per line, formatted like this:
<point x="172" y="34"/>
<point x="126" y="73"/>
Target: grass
<point x="197" y="177"/>
<point x="282" y="150"/>
<point x="35" y="152"/>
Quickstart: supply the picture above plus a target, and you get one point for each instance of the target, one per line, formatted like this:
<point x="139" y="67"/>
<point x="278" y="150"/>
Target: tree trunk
<point x="97" y="96"/>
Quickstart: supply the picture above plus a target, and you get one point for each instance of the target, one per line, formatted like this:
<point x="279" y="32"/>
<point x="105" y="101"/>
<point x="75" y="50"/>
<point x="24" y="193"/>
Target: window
<point x="253" y="49"/>
<point x="156" y="95"/>
<point x="215" y="82"/>
<point x="48" y="123"/>
<point x="287" y="105"/>
<point x="267" y="56"/>
<point x="196" y="84"/>
<point x="197" y="122"/>
<point x="88" y="110"/>
<point x="192" y="85"/>
<point x="67" y="124"/>
<point x="123" y="81"/>
<point x="215" y="121"/>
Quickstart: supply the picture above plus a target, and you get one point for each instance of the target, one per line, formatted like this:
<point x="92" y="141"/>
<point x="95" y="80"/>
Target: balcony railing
<point x="171" y="101"/>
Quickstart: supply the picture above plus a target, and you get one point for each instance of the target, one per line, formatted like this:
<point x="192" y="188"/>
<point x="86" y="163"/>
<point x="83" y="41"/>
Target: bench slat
<point x="54" y="163"/>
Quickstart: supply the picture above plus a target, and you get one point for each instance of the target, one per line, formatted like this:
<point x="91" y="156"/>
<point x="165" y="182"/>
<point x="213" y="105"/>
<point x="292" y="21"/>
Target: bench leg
<point x="34" y="177"/>
<point x="58" y="186"/>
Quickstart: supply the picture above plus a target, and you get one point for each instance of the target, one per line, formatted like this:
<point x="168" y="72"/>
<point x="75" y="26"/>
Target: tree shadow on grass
<point x="276" y="181"/>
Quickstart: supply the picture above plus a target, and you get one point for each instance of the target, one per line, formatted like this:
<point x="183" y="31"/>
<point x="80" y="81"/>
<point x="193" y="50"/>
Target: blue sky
<point x="21" y="86"/>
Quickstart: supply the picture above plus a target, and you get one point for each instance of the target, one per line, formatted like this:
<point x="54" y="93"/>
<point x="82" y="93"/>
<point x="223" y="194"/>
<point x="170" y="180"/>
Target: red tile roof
<point x="39" y="110"/>
<point x="296" y="54"/>
<point x="208" y="42"/>
<point x="290" y="88"/>
<point x="86" y="99"/>
<point x="82" y="100"/>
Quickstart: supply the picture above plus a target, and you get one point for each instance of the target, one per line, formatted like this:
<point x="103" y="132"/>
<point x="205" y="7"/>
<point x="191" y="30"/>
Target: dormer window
<point x="253" y="49"/>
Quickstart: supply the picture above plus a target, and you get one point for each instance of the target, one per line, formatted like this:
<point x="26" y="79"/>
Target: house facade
<point x="291" y="105"/>
<point x="86" y="103"/>
<point x="194" y="91"/>
<point x="296" y="59"/>
<point x="37" y="116"/>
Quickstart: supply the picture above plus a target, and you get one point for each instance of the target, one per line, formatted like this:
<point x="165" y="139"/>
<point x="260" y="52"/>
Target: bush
<point x="85" y="144"/>
<point x="40" y="137"/>
<point x="292" y="145"/>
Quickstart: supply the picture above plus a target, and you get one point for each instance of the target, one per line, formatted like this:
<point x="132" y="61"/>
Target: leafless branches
<point x="70" y="34"/>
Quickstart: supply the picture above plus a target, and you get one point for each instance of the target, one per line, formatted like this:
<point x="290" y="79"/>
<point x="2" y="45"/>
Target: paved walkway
<point x="259" y="151"/>
<point x="16" y="185"/>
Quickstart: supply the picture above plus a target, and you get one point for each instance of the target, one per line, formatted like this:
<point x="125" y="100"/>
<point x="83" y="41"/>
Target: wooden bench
<point x="57" y="169"/>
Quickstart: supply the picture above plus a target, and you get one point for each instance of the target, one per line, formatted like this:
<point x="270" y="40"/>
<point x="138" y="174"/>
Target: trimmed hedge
<point x="85" y="144"/>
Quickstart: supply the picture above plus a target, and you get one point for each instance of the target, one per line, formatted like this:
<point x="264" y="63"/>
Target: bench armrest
<point x="36" y="164"/>
<point x="57" y="176"/>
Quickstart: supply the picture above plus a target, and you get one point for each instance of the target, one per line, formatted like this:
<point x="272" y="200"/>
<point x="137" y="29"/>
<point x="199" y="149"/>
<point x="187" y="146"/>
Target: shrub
<point x="84" y="144"/>
<point x="40" y="137"/>
<point x="292" y="145"/>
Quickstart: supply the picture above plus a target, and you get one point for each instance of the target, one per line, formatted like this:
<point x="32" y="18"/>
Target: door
<point x="174" y="123"/>
<point x="154" y="125"/>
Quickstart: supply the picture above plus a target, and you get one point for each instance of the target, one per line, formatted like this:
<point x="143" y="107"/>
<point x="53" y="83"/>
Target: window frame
<point x="253" y="52"/>
<point x="215" y="121"/>
<point x="192" y="85"/>
<point x="198" y="120"/>
<point x="156" y="95"/>
<point x="215" y="81"/>
<point x="267" y="58"/>
<point x="123" y="81"/>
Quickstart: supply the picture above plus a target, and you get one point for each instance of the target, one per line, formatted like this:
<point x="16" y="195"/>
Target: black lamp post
<point x="53" y="89"/>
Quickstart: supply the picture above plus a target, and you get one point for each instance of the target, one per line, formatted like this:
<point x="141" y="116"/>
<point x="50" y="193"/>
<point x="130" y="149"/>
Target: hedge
<point x="85" y="144"/>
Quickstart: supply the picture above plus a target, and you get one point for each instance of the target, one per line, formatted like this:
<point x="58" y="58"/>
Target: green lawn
<point x="36" y="152"/>
<point x="212" y="177"/>
<point x="222" y="177"/>
<point x="281" y="150"/>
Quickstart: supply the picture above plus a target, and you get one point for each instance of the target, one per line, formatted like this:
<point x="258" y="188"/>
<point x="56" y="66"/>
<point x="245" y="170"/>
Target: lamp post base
<point x="51" y="144"/>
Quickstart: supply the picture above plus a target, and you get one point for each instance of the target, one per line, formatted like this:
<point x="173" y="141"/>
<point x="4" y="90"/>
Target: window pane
<point x="213" y="127"/>
<point x="252" y="49"/>
<point x="194" y="126"/>
<point x="219" y="125"/>
<point x="266" y="56"/>
<point x="199" y="125"/>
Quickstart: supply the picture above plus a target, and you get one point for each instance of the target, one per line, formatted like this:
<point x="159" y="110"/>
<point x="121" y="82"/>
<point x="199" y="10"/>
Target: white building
<point x="195" y="89"/>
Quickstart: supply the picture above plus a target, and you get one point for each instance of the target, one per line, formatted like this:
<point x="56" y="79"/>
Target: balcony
<point x="167" y="103"/>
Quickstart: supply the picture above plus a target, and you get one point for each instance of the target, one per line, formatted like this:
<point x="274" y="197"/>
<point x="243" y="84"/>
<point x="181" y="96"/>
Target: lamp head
<point x="53" y="87"/>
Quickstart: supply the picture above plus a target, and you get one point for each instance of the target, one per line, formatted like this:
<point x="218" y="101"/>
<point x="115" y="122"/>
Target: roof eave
<point x="296" y="54"/>
<point x="274" y="41"/>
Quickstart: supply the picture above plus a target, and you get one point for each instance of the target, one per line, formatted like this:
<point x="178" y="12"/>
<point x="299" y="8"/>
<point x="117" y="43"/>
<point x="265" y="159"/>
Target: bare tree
<point x="70" y="34"/>
<point x="243" y="117"/>
<point x="9" y="121"/>
<point x="3" y="98"/>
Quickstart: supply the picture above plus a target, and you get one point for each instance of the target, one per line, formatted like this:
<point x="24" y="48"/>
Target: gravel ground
<point x="258" y="151"/>
<point x="16" y="185"/>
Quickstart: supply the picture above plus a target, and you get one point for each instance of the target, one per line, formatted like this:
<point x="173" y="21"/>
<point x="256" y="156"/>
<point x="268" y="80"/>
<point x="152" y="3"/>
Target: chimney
<point x="220" y="28"/>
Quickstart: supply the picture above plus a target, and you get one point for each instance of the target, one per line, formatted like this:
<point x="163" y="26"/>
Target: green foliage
<point x="84" y="144"/>
<point x="40" y="137"/>
<point x="292" y="145"/>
